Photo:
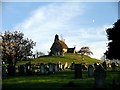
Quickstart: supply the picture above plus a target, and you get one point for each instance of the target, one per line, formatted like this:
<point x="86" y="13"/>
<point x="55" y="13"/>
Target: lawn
<point x="69" y="58"/>
<point x="58" y="80"/>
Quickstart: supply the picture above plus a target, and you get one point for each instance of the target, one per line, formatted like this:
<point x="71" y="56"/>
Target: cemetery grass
<point x="69" y="58"/>
<point x="55" y="81"/>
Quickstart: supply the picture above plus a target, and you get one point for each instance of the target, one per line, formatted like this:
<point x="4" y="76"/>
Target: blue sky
<point x="80" y="24"/>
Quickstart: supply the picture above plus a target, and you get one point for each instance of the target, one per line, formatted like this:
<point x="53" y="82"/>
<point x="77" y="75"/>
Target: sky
<point x="79" y="23"/>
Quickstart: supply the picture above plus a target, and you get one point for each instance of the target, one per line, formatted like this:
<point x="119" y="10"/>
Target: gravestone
<point x="56" y="67"/>
<point x="90" y="70"/>
<point x="95" y="65"/>
<point x="72" y="66"/>
<point x="42" y="69"/>
<point x="51" y="68"/>
<point x="78" y="71"/>
<point x="104" y="65"/>
<point x="22" y="70"/>
<point x="33" y="69"/>
<point x="28" y="68"/>
<point x="60" y="66"/>
<point x="84" y="67"/>
<point x="99" y="75"/>
<point x="11" y="70"/>
<point x="66" y="65"/>
<point x="4" y="71"/>
<point x="113" y="66"/>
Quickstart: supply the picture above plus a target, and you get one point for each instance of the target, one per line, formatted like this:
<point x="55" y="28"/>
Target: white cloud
<point x="55" y="18"/>
<point x="48" y="20"/>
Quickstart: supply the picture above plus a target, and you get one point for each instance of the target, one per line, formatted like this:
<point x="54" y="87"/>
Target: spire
<point x="56" y="38"/>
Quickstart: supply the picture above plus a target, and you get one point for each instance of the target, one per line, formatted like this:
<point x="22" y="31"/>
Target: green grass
<point x="55" y="81"/>
<point x="69" y="58"/>
<point x="59" y="79"/>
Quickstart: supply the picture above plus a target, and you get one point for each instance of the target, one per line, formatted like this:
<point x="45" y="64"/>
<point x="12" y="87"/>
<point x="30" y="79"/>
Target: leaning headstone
<point x="99" y="75"/>
<point x="104" y="65"/>
<point x="113" y="66"/>
<point x="42" y="69"/>
<point x="90" y="70"/>
<point x="78" y="70"/>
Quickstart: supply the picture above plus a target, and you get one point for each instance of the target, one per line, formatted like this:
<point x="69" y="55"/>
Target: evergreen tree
<point x="113" y="35"/>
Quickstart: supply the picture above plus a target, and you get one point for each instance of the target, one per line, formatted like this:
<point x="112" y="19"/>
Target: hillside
<point x="69" y="58"/>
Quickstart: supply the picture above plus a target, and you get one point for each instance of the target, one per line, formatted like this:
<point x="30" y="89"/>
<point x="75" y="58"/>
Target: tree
<point x="113" y="36"/>
<point x="15" y="47"/>
<point x="85" y="51"/>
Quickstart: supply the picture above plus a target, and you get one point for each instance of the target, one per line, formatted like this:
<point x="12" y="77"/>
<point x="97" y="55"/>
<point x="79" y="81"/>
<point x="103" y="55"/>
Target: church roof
<point x="62" y="44"/>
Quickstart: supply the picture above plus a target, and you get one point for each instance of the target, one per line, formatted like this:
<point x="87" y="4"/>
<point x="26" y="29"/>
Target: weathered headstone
<point x="11" y="70"/>
<point x="51" y="68"/>
<point x="78" y="70"/>
<point x="56" y="67"/>
<point x="22" y="70"/>
<point x="90" y="70"/>
<point x="113" y="66"/>
<point x="99" y="75"/>
<point x="28" y="68"/>
<point x="42" y="69"/>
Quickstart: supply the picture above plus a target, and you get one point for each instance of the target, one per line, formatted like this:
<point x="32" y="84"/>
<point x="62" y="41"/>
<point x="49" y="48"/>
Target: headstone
<point x="60" y="66"/>
<point x="11" y="70"/>
<point x="56" y="67"/>
<point x="113" y="66"/>
<point x="33" y="69"/>
<point x="4" y="71"/>
<point x="72" y="66"/>
<point x="104" y="65"/>
<point x="66" y="65"/>
<point x="28" y="68"/>
<point x="99" y="75"/>
<point x="22" y="70"/>
<point x="84" y="67"/>
<point x="42" y="69"/>
<point x="90" y="70"/>
<point x="78" y="70"/>
<point x="51" y="68"/>
<point x="95" y="65"/>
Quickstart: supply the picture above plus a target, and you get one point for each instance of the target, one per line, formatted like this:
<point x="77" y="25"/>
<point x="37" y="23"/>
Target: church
<point x="59" y="47"/>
